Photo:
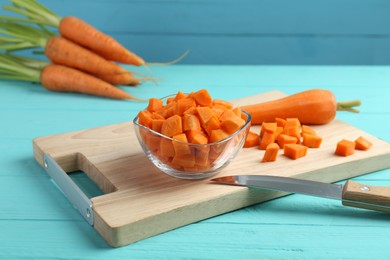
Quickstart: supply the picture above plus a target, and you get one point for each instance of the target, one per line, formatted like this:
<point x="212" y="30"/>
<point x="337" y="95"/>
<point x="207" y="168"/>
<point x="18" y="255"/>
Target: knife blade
<point x="351" y="194"/>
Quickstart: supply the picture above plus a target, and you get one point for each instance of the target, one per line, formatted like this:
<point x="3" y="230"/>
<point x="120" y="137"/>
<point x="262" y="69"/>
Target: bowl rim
<point x="247" y="123"/>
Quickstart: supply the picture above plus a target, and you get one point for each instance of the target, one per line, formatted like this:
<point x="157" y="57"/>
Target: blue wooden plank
<point x="244" y="32"/>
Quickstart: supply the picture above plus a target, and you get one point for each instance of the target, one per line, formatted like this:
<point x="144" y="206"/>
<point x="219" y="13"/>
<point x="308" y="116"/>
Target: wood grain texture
<point x="141" y="201"/>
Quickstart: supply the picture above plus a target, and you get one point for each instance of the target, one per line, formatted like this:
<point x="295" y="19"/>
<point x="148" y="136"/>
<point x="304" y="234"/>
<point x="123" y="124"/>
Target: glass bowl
<point x="188" y="160"/>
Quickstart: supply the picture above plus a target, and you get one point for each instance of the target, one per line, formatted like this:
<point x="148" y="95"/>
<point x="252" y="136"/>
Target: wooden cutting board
<point x="140" y="201"/>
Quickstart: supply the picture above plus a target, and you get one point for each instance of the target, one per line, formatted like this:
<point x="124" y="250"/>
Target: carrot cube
<point x="154" y="104"/>
<point x="362" y="143"/>
<point x="218" y="110"/>
<point x="217" y="135"/>
<point x="252" y="140"/>
<point x="227" y="114"/>
<point x="271" y="153"/>
<point x="286" y="139"/>
<point x="166" y="148"/>
<point x="345" y="148"/>
<point x="190" y="122"/>
<point x="200" y="139"/>
<point x="184" y="160"/>
<point x="205" y="114"/>
<point x="145" y="119"/>
<point x="278" y="132"/>
<point x="267" y="127"/>
<point x="184" y="104"/>
<point x="307" y="129"/>
<point x="268" y="138"/>
<point x="226" y="104"/>
<point x="280" y="121"/>
<point x="230" y="126"/>
<point x="292" y="131"/>
<point x="181" y="148"/>
<point x="157" y="124"/>
<point x="172" y="126"/>
<point x="211" y="125"/>
<point x="295" y="151"/>
<point x="203" y="98"/>
<point x="311" y="140"/>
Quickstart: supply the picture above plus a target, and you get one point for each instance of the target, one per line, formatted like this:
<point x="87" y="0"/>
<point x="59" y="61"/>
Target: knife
<point x="351" y="193"/>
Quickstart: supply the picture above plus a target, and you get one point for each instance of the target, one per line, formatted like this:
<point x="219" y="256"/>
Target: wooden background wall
<point x="316" y="32"/>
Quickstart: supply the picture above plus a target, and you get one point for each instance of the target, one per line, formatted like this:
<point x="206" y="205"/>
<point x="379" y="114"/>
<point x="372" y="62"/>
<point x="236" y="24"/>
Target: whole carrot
<point x="315" y="107"/>
<point x="64" y="79"/>
<point x="75" y="30"/>
<point x="80" y="32"/>
<point x="58" y="78"/>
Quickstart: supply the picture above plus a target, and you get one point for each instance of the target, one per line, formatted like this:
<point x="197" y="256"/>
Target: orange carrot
<point x="86" y="35"/>
<point x="154" y="105"/>
<point x="313" y="107"/>
<point x="252" y="140"/>
<point x="64" y="52"/>
<point x="362" y="143"/>
<point x="191" y="122"/>
<point x="232" y="125"/>
<point x="271" y="153"/>
<point x="295" y="151"/>
<point x="65" y="79"/>
<point x="345" y="148"/>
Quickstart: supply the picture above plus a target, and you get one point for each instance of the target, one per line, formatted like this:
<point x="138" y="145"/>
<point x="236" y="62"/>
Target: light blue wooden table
<point x="38" y="222"/>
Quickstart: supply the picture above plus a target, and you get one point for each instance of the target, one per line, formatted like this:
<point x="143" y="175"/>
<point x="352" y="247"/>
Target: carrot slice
<point x="271" y="153"/>
<point x="295" y="151"/>
<point x="252" y="140"/>
<point x="226" y="104"/>
<point x="267" y="127"/>
<point x="217" y="135"/>
<point x="345" y="148"/>
<point x="280" y="121"/>
<point x="362" y="143"/>
<point x="190" y="122"/>
<point x="145" y="119"/>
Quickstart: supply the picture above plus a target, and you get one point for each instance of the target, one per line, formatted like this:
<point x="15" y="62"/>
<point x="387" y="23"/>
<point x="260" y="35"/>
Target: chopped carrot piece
<point x="156" y="115"/>
<point x="145" y="119"/>
<point x="172" y="126"/>
<point x="286" y="139"/>
<point x="295" y="151"/>
<point x="307" y="129"/>
<point x="190" y="122"/>
<point x="232" y="125"/>
<point x="224" y="103"/>
<point x="267" y="127"/>
<point x="203" y="98"/>
<point x="157" y="124"/>
<point x="271" y="153"/>
<point x="345" y="148"/>
<point x="199" y="139"/>
<point x="292" y="122"/>
<point x="184" y="104"/>
<point x="218" y="110"/>
<point x="268" y="138"/>
<point x="205" y="114"/>
<point x="181" y="148"/>
<point x="292" y="131"/>
<point x="252" y="140"/>
<point x="180" y="95"/>
<point x="362" y="143"/>
<point x="183" y="160"/>
<point x="191" y="134"/>
<point x="227" y="114"/>
<point x="217" y="135"/>
<point x="211" y="125"/>
<point x="192" y="111"/>
<point x="237" y="111"/>
<point x="280" y="121"/>
<point x="278" y="132"/>
<point x="154" y="104"/>
<point x="166" y="148"/>
<point x="311" y="140"/>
